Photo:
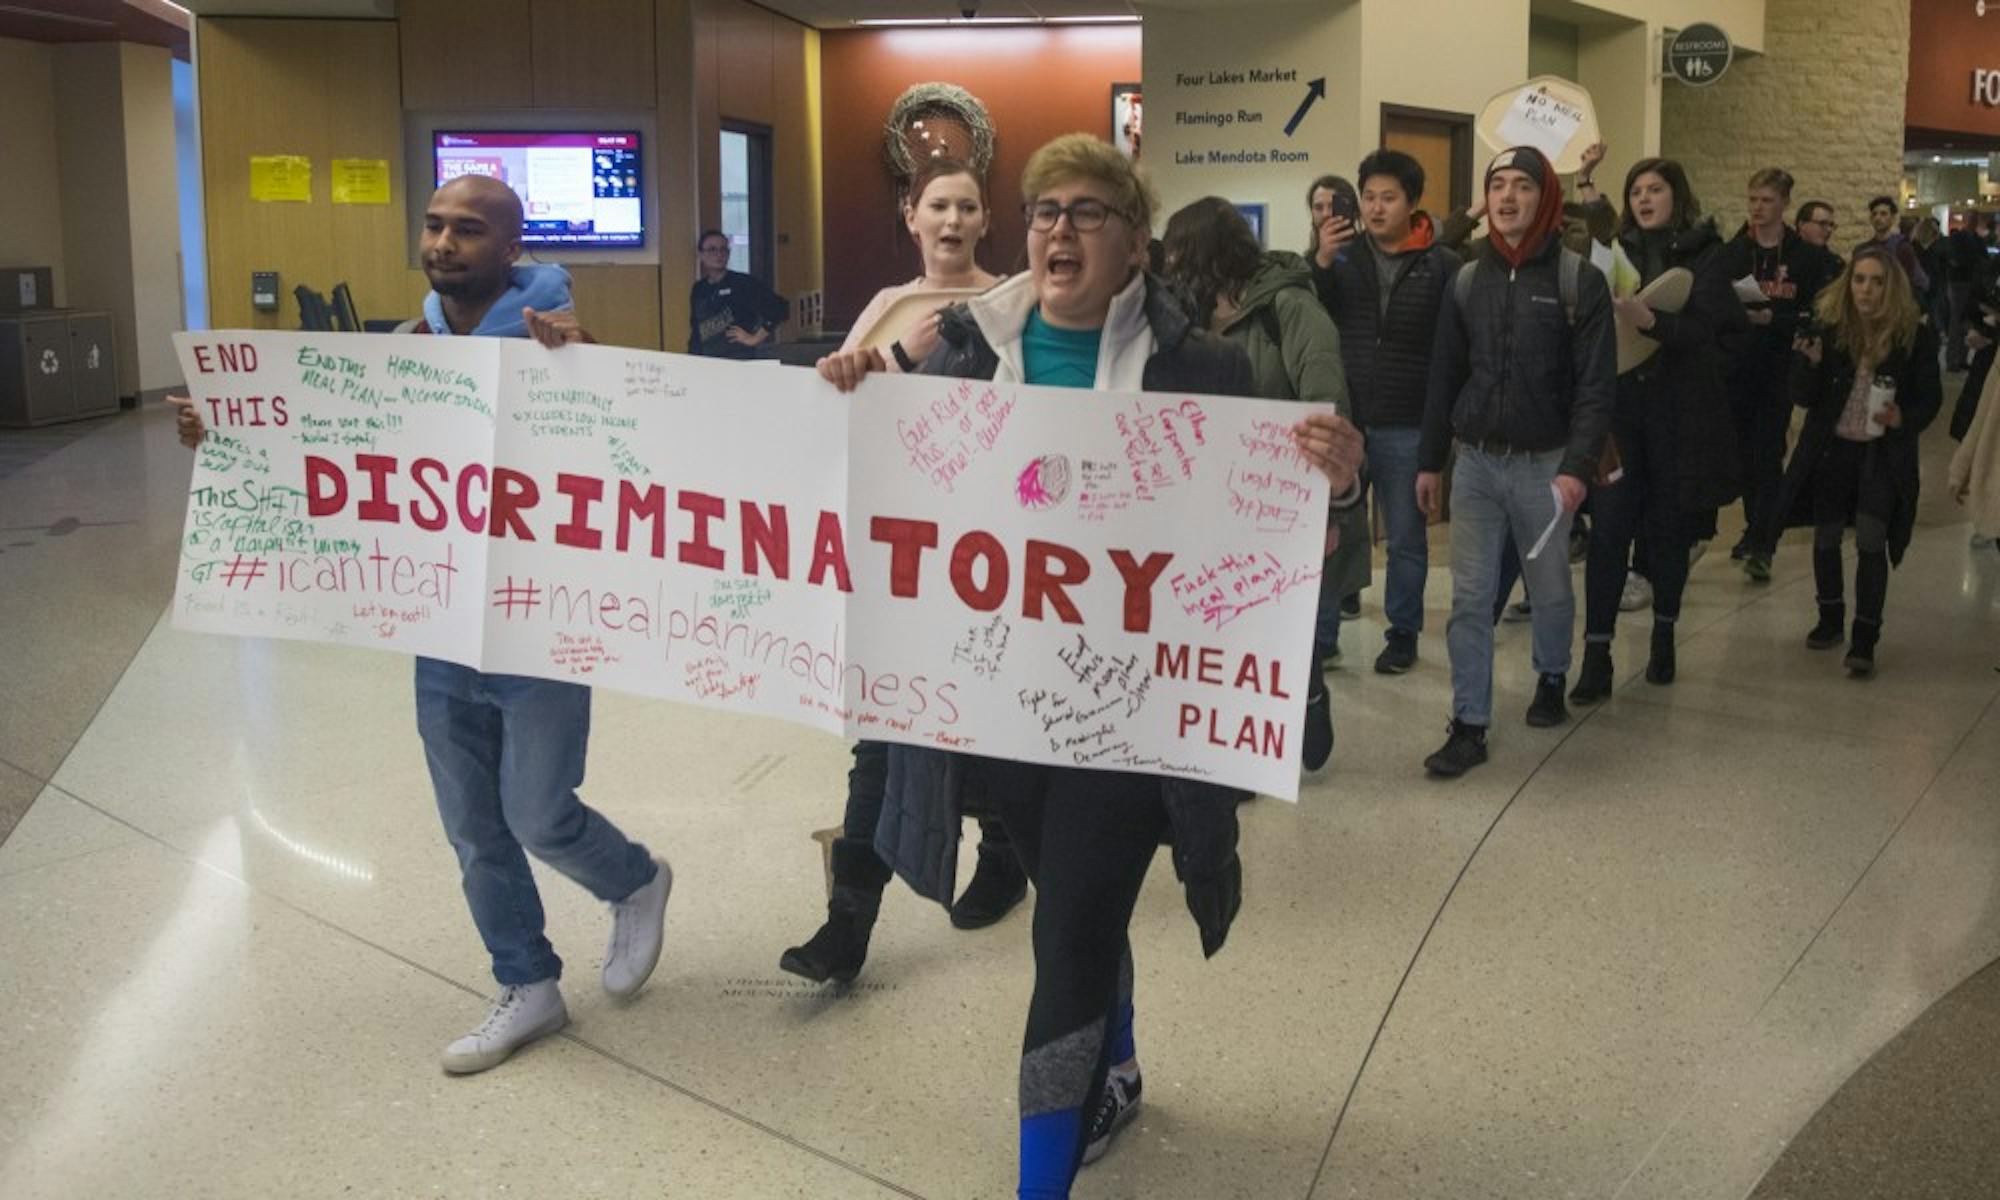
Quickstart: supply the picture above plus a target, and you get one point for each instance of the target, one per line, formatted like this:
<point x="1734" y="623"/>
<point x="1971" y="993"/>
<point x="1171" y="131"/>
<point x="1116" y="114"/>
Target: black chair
<point x="314" y="315"/>
<point x="345" y="318"/>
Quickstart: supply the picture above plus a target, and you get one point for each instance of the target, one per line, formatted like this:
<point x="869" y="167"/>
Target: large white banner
<point x="1115" y="580"/>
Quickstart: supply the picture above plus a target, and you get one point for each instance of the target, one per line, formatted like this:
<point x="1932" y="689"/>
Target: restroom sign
<point x="1699" y="55"/>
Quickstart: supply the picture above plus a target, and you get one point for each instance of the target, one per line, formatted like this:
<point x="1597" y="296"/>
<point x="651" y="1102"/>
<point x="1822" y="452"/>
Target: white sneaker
<point x="637" y="925"/>
<point x="521" y="1013"/>
<point x="1638" y="593"/>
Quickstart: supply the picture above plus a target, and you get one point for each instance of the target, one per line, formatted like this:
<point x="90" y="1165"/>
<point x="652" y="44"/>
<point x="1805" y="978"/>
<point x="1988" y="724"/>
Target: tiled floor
<point x="1632" y="957"/>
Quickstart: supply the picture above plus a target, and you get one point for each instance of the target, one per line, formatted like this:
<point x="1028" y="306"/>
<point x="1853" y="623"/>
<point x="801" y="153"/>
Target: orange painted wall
<point x="1949" y="40"/>
<point x="1036" y="83"/>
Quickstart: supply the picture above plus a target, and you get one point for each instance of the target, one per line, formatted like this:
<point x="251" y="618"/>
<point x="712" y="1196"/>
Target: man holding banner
<point x="506" y="752"/>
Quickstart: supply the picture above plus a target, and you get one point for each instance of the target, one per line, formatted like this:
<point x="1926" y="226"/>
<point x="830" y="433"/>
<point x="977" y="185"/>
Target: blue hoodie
<point x="543" y="287"/>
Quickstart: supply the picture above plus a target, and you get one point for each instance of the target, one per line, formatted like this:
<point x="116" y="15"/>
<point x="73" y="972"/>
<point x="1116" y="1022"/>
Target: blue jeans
<point x="1326" y="622"/>
<point x="1491" y="495"/>
<point x="1392" y="473"/>
<point x="506" y="755"/>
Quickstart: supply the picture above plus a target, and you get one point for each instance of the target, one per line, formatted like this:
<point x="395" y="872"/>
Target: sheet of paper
<point x="1538" y="119"/>
<point x="361" y="181"/>
<point x="1749" y="291"/>
<point x="1542" y="542"/>
<point x="1117" y="580"/>
<point x="281" y="178"/>
<point x="1619" y="273"/>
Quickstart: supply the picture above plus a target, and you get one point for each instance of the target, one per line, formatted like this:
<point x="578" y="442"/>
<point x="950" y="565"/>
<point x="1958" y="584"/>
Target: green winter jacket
<point x="1301" y="363"/>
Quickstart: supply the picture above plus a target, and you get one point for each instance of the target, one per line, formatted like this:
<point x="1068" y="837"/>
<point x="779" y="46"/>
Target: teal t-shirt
<point x="1059" y="357"/>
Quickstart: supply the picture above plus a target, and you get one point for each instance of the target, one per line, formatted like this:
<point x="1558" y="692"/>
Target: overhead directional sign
<point x="1316" y="90"/>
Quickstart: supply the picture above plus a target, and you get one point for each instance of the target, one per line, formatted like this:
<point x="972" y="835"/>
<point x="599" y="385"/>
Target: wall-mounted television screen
<point x="577" y="189"/>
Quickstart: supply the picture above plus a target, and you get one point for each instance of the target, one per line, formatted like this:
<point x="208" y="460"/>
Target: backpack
<point x="1610" y="463"/>
<point x="1568" y="269"/>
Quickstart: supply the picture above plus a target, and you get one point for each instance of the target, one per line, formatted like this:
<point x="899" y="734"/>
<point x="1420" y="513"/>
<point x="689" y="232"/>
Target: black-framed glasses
<point x="1826" y="223"/>
<point x="1085" y="216"/>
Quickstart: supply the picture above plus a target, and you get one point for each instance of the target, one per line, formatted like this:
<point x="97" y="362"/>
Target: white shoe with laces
<point x="521" y="1013"/>
<point x="638" y="923"/>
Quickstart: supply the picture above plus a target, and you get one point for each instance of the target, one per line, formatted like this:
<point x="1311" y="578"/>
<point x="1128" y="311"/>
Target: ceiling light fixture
<point x="962" y="22"/>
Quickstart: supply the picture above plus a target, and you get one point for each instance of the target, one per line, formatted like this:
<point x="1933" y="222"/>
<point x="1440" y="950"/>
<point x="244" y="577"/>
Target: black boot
<point x="1547" y="708"/>
<point x="998" y="884"/>
<point x="1660" y="667"/>
<point x="1832" y="590"/>
<point x="1463" y="750"/>
<point x="1861" y="648"/>
<point x="837" y="951"/>
<point x="840" y="946"/>
<point x="1593" y="680"/>
<point x="1871" y="590"/>
<point x="1317" y="746"/>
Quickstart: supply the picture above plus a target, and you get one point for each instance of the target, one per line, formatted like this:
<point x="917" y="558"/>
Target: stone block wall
<point x="1825" y="101"/>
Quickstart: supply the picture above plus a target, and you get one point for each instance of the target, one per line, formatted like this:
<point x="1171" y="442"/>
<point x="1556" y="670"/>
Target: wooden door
<point x="1442" y="142"/>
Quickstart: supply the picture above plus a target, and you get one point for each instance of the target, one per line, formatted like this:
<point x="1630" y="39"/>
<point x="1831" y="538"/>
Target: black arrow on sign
<point x="1316" y="90"/>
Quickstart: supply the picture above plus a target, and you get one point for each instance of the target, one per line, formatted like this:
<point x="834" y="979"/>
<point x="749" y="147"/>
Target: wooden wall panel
<point x="593" y="53"/>
<point x="680" y="196"/>
<point x="323" y="89"/>
<point x="795" y="156"/>
<point x="745" y="61"/>
<point x="466" y="54"/>
<point x="753" y="65"/>
<point x="1036" y="82"/>
<point x="620" y="306"/>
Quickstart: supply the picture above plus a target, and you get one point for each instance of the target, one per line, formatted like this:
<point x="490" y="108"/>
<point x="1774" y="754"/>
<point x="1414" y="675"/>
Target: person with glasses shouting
<point x="730" y="314"/>
<point x="1086" y="315"/>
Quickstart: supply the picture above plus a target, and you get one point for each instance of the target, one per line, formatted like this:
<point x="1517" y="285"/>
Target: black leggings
<point x="1086" y="839"/>
<point x="1763" y="414"/>
<point x="1647" y="499"/>
<point x="855" y="863"/>
<point x="1848" y="484"/>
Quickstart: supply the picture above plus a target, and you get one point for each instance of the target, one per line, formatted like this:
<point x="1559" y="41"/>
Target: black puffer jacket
<point x="1680" y="391"/>
<point x="1510" y="369"/>
<point x="928" y="789"/>
<point x="1388" y="354"/>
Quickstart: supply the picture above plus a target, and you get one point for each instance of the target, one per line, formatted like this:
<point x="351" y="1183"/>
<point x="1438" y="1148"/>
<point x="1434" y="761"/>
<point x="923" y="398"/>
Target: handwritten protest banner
<point x="1114" y="580"/>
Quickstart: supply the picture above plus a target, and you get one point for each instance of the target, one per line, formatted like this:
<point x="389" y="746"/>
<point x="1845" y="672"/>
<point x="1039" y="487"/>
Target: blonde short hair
<point x="1079" y="156"/>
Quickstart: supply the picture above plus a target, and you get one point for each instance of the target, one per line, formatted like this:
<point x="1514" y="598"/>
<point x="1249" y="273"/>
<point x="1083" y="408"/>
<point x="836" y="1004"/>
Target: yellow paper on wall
<point x="281" y="177"/>
<point x="361" y="181"/>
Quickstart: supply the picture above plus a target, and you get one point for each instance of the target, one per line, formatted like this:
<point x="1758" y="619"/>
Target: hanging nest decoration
<point x="937" y="120"/>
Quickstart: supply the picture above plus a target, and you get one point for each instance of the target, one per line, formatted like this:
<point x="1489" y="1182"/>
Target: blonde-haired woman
<point x="1087" y="315"/>
<point x="1869" y="384"/>
<point x="947" y="216"/>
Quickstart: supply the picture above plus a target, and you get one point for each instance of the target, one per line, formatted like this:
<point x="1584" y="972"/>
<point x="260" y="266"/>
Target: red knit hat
<point x="1548" y="215"/>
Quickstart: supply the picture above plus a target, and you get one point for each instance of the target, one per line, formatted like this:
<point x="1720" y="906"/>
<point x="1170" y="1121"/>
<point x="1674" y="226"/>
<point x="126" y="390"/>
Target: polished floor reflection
<point x="1632" y="957"/>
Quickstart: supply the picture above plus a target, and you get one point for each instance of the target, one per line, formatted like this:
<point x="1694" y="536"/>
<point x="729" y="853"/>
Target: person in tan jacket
<point x="1974" y="478"/>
